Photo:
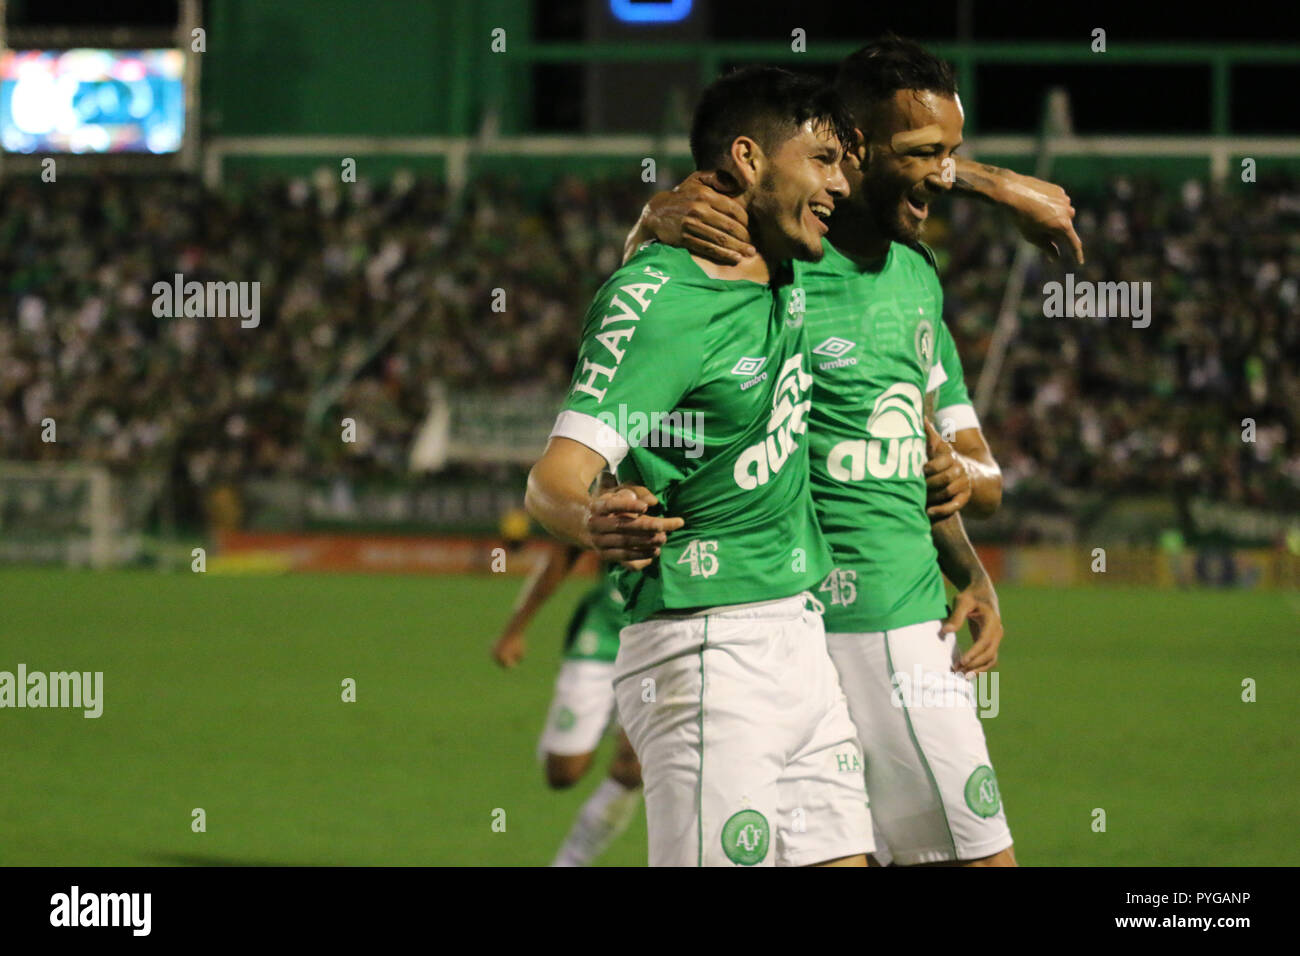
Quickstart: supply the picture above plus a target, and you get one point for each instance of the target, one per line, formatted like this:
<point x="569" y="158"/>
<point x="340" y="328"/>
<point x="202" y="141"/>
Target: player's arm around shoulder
<point x="1043" y="211"/>
<point x="696" y="215"/>
<point x="511" y="645"/>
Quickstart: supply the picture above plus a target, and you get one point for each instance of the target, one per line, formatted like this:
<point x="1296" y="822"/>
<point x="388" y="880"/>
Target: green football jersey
<point x="698" y="389"/>
<point x="873" y="330"/>
<point x="596" y="621"/>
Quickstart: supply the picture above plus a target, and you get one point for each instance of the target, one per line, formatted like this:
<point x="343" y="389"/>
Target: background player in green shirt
<point x="582" y="707"/>
<point x="934" y="795"/>
<point x="692" y="385"/>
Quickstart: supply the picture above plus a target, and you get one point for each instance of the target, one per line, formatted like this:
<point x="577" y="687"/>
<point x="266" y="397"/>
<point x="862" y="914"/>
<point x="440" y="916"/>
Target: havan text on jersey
<point x="615" y="339"/>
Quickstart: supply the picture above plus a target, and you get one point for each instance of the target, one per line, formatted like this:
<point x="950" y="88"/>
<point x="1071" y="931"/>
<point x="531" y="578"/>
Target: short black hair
<point x="767" y="104"/>
<point x="880" y="69"/>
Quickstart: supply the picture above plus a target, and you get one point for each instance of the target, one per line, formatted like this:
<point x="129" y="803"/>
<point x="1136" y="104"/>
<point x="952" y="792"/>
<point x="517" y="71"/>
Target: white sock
<point x="605" y="815"/>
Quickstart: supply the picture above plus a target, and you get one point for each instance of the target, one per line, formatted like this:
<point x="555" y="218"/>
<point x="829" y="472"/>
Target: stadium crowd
<point x="1098" y="403"/>
<point x="368" y="294"/>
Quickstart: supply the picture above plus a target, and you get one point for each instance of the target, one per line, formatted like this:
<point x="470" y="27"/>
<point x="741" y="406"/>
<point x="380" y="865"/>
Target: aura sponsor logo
<point x="761" y="461"/>
<point x="895" y="447"/>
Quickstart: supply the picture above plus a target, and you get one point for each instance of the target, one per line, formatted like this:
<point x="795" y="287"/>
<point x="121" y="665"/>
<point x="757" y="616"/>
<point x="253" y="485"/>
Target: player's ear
<point x="856" y="151"/>
<point x="744" y="162"/>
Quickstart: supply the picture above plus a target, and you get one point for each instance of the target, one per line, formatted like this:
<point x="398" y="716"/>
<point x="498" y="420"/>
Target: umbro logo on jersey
<point x="750" y="367"/>
<point x="834" y="348"/>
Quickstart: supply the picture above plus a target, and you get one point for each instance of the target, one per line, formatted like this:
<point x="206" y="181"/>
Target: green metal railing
<point x="965" y="57"/>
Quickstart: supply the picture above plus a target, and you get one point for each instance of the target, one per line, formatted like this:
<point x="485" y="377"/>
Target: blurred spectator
<point x="1082" y="403"/>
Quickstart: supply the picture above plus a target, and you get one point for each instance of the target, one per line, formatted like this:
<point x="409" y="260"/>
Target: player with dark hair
<point x="881" y="355"/>
<point x="691" y="384"/>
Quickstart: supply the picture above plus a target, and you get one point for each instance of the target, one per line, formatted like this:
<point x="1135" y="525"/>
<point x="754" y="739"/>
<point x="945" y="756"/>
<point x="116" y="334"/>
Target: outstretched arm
<point x="1043" y="210"/>
<point x="509" y="648"/>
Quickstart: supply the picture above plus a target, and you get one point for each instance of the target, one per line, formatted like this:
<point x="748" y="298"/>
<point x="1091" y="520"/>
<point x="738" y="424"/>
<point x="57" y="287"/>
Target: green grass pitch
<point x="224" y="693"/>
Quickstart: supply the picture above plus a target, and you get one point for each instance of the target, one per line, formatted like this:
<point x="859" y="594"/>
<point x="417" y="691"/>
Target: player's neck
<point x="753" y="269"/>
<point x="762" y="267"/>
<point x="858" y="236"/>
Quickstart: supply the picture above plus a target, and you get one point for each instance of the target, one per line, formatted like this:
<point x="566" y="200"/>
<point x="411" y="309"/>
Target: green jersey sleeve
<point x="642" y="344"/>
<point x="953" y="408"/>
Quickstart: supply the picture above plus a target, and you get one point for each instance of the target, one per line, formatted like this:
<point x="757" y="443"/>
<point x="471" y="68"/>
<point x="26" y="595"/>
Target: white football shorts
<point x="934" y="796"/>
<point x="747" y="750"/>
<point x="581" y="709"/>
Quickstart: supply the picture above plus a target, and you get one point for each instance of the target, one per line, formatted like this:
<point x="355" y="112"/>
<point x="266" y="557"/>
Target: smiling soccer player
<point x="881" y="357"/>
<point x="723" y="681"/>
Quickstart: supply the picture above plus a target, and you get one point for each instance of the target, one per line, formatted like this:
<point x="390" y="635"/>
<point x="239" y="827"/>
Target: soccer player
<point x="582" y="708"/>
<point x="873" y="307"/>
<point x="692" y="385"/>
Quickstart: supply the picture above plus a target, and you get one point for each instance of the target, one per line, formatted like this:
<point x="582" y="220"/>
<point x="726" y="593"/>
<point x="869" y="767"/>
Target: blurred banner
<point x="1048" y="567"/>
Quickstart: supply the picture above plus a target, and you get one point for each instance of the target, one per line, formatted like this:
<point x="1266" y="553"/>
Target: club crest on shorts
<point x="565" y="719"/>
<point x="588" y="641"/>
<point x="745" y="837"/>
<point x="982" y="792"/>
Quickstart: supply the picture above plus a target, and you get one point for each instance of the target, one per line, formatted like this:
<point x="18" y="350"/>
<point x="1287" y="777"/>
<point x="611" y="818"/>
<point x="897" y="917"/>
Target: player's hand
<point x="509" y="649"/>
<point x="1044" y="214"/>
<point x="948" y="483"/>
<point x="622" y="531"/>
<point x="977" y="606"/>
<point x="698" y="216"/>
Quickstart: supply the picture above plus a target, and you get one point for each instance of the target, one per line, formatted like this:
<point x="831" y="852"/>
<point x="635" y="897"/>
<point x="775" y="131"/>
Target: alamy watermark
<point x="922" y="689"/>
<point x="1098" y="300"/>
<point x="653" y="430"/>
<point x="74" y="689"/>
<point x="208" y="300"/>
<point x="128" y="910"/>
